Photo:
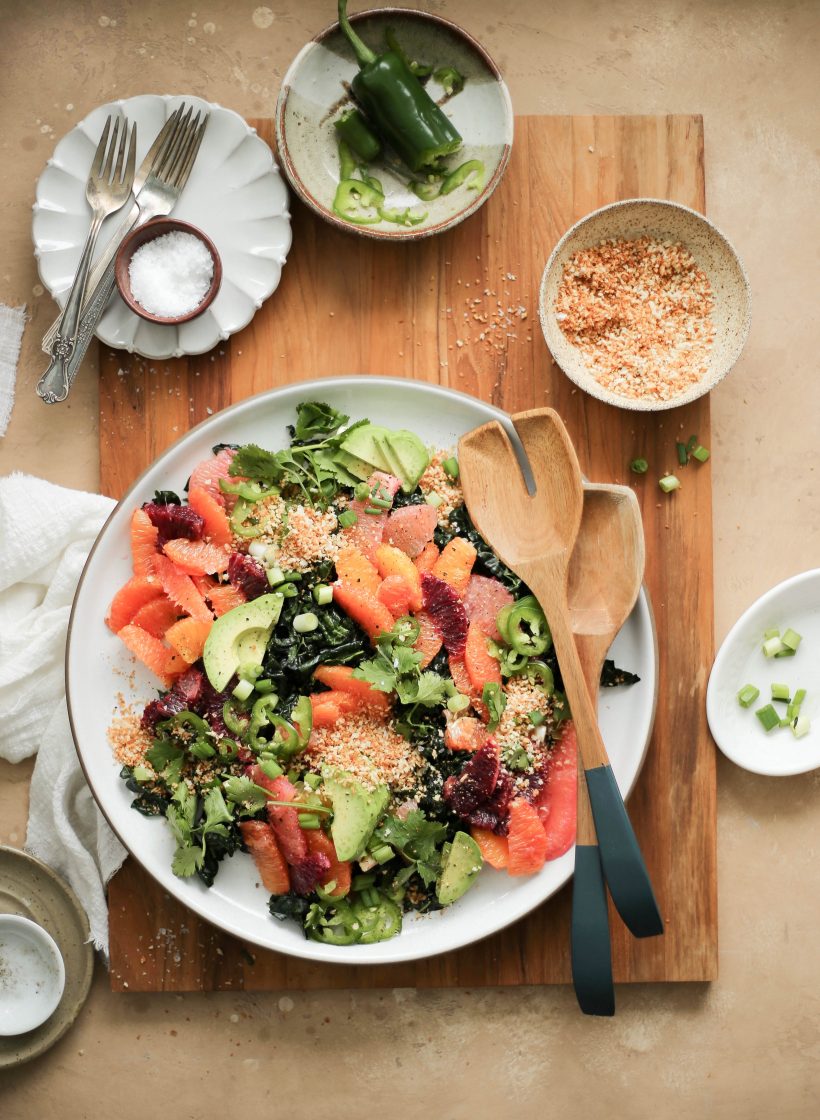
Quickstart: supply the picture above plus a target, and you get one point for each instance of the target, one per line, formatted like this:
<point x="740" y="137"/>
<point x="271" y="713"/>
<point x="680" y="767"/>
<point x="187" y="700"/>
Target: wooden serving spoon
<point x="535" y="535"/>
<point x="605" y="574"/>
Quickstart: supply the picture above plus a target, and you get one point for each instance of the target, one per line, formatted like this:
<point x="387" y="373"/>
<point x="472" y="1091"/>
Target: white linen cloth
<point x="46" y="532"/>
<point x="12" y="321"/>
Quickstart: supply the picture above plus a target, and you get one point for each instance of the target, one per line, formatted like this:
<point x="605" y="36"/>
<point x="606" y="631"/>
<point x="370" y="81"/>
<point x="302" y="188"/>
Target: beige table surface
<point x="747" y="1046"/>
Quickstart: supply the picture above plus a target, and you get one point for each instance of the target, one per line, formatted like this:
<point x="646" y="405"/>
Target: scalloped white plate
<point x="98" y="667"/>
<point x="235" y="193"/>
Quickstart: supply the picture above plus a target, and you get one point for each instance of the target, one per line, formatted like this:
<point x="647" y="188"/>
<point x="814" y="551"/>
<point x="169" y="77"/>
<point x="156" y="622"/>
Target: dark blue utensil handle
<point x="623" y="864"/>
<point x="589" y="935"/>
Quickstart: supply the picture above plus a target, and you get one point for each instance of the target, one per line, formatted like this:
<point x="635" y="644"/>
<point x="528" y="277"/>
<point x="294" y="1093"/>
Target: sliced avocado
<point x="240" y="637"/>
<point x="462" y="863"/>
<point x="357" y="468"/>
<point x="362" y="443"/>
<point x="407" y="455"/>
<point x="356" y="811"/>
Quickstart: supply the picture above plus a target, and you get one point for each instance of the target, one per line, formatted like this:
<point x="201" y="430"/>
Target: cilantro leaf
<point x="244" y="792"/>
<point x="162" y="753"/>
<point x="496" y="702"/>
<point x="427" y="689"/>
<point x="315" y="418"/>
<point x="252" y="461"/>
<point x="378" y="674"/>
<point x="187" y="861"/>
<point x="216" y="813"/>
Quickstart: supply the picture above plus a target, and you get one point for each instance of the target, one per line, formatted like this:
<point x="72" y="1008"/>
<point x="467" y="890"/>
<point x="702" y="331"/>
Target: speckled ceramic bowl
<point x="666" y="221"/>
<point x="315" y="90"/>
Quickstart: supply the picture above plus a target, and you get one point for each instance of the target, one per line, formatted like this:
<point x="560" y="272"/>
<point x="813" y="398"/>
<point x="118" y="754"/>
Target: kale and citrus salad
<point x="356" y="690"/>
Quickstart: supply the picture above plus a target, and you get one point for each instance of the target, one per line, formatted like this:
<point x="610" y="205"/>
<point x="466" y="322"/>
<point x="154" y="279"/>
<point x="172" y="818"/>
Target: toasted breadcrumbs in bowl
<point x="645" y="305"/>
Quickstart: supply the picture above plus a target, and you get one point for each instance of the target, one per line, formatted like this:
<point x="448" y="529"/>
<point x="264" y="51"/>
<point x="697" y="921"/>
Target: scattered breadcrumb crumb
<point x="435" y="480"/>
<point x="366" y="746"/>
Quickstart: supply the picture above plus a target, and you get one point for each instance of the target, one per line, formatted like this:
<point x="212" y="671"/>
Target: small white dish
<point x="740" y="661"/>
<point x="235" y="194"/>
<point x="32" y="975"/>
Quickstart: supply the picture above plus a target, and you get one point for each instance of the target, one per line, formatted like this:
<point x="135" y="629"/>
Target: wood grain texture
<point x="350" y="306"/>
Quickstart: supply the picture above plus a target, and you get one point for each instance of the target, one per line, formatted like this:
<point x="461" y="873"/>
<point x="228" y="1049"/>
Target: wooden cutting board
<point x="461" y="310"/>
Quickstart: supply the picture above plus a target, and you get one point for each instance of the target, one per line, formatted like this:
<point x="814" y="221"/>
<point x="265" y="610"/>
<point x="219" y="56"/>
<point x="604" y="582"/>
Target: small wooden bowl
<point x="138" y="237"/>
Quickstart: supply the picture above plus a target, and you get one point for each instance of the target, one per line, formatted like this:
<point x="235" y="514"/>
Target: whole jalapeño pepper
<point x="397" y="104"/>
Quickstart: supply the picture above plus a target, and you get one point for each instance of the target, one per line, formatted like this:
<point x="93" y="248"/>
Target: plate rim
<point x="309" y="951"/>
<point x="732" y="636"/>
<point x="121" y="103"/>
<point x="62" y="888"/>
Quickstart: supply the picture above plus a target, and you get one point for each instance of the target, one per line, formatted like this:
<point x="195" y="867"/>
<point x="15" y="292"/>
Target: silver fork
<point x="108" y="189"/>
<point x="158" y="196"/>
<point x="110" y="250"/>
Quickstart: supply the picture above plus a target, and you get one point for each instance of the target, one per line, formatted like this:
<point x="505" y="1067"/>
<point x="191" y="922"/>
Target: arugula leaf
<point x="315" y="418"/>
<point x="252" y="461"/>
<point x="496" y="702"/>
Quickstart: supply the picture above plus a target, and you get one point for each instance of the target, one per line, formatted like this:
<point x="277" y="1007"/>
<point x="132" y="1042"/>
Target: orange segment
<point x="130" y="597"/>
<point x="426" y="559"/>
<point x="391" y="561"/>
<point x="465" y="734"/>
<point x="144" y="536"/>
<point x="326" y="713"/>
<point x="206" y="475"/>
<point x="340" y="678"/>
<point x="212" y="512"/>
<point x="260" y="840"/>
<point x="188" y="638"/>
<point x="156" y="616"/>
<point x="225" y="597"/>
<point x="482" y="667"/>
<point x="180" y="589"/>
<point x="527" y="839"/>
<point x="151" y="652"/>
<point x="364" y="608"/>
<point x="397" y="595"/>
<point x="455" y="564"/>
<point x="429" y="642"/>
<point x="196" y="558"/>
<point x="494" y="849"/>
<point x="356" y="570"/>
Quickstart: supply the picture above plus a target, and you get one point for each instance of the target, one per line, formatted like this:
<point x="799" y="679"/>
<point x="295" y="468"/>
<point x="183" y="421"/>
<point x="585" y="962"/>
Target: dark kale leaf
<point x="217" y="447"/>
<point x="148" y="802"/>
<point x="217" y="847"/>
<point x="612" y="676"/>
<point x="292" y="905"/>
<point x="487" y="563"/>
<point x="167" y="498"/>
<point x="414" y="498"/>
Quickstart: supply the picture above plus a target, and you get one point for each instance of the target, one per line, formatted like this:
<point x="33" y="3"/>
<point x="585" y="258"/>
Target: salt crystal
<point x="171" y="274"/>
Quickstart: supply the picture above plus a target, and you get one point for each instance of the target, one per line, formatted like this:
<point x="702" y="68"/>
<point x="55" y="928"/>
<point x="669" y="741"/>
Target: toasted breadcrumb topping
<point x="301" y="535"/>
<point x="435" y="480"/>
<point x="367" y="747"/>
<point x="640" y="313"/>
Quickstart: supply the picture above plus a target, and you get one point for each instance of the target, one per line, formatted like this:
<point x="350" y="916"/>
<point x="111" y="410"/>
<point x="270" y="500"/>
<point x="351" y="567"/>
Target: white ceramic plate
<point x="235" y="194"/>
<point x="98" y="667"/>
<point x="314" y="90"/>
<point x="740" y="661"/>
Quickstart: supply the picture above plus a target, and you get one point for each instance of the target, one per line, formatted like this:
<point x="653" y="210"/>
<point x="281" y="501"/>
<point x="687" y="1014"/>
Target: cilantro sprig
<point x="418" y="840"/>
<point x="397" y="668"/>
<point x="192" y="839"/>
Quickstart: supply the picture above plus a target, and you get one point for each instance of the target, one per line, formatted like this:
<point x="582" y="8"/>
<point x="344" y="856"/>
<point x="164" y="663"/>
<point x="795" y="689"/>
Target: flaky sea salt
<point x="170" y="275"/>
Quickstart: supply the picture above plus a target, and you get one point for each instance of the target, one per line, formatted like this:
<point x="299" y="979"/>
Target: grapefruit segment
<point x="180" y="589"/>
<point x="224" y="597"/>
<point x="206" y="475"/>
<point x="212" y="512"/>
<point x="557" y="801"/>
<point x="163" y="662"/>
<point x="483" y="599"/>
<point x="260" y="840"/>
<point x="411" y="528"/>
<point x="527" y="839"/>
<point x="197" y="558"/>
<point x="156" y="616"/>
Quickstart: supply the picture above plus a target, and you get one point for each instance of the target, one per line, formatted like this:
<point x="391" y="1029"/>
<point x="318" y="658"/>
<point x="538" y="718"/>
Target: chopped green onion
<point x="362" y="882"/>
<point x="770" y="634"/>
<point x="270" y="768"/>
<point x="785" y="652"/>
<point x="639" y="466"/>
<point x="683" y="454"/>
<point x="201" y="749"/>
<point x="700" y="453"/>
<point x="450" y="467"/>
<point x="243" y="690"/>
<point x="249" y="671"/>
<point x="433" y="499"/>
<point x="361" y="492"/>
<point x="264" y="687"/>
<point x="768" y="717"/>
<point x="747" y="695"/>
<point x="312" y="781"/>
<point x="691" y="444"/>
<point x="383" y="853"/>
<point x="781" y="692"/>
<point x="373" y="510"/>
<point x="801" y="727"/>
<point x="323" y="594"/>
<point x="668" y="483"/>
<point x="275" y="576"/>
<point x="370" y="897"/>
<point x="347" y="518"/>
<point x="772" y="646"/>
<point x="307" y="820"/>
<point x="792" y="639"/>
<point x="304" y="623"/>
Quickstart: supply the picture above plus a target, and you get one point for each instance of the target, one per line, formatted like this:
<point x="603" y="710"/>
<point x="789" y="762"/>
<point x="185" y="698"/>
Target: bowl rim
<point x="399" y="234"/>
<point x="135" y="239"/>
<point x="640" y="404"/>
<point x="49" y="948"/>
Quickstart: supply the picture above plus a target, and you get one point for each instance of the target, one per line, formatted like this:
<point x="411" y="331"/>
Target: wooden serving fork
<point x="535" y="534"/>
